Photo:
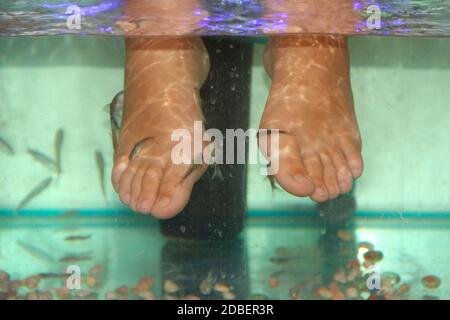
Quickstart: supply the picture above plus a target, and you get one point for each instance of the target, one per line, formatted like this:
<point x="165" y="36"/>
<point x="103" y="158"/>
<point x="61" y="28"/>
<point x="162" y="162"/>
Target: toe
<point x="136" y="186"/>
<point x="330" y="176"/>
<point x="120" y="165"/>
<point x="122" y="158"/>
<point x="150" y="186"/>
<point x="344" y="173"/>
<point x="293" y="178"/>
<point x="354" y="159"/>
<point x="125" y="184"/>
<point x="174" y="191"/>
<point x="315" y="169"/>
<point x="291" y="172"/>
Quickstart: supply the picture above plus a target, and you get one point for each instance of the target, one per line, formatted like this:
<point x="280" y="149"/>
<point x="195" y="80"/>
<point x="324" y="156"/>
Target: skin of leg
<point x="162" y="82"/>
<point x="311" y="103"/>
<point x="162" y="17"/>
<point x="311" y="16"/>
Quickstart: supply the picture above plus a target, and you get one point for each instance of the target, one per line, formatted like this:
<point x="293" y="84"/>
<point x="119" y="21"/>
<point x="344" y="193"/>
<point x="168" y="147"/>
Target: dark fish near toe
<point x="115" y="114"/>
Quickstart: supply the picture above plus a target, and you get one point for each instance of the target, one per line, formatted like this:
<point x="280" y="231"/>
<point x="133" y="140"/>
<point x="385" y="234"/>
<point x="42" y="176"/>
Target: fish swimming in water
<point x="74" y="259"/>
<point x="101" y="173"/>
<point x="217" y="173"/>
<point x="38" y="189"/>
<point x="59" y="138"/>
<point x="207" y="284"/>
<point x="52" y="275"/>
<point x="6" y="147"/>
<point x="138" y="147"/>
<point x="77" y="238"/>
<point x="273" y="183"/>
<point x="69" y="214"/>
<point x="43" y="159"/>
<point x="115" y="115"/>
<point x="36" y="252"/>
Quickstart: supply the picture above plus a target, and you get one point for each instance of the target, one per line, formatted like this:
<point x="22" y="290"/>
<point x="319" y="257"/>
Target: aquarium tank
<point x="88" y="106"/>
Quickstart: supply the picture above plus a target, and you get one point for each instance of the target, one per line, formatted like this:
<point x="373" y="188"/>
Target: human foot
<point x="162" y="82"/>
<point x="311" y="103"/>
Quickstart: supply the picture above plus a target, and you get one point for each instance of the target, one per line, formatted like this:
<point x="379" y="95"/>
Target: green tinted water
<point x="402" y="201"/>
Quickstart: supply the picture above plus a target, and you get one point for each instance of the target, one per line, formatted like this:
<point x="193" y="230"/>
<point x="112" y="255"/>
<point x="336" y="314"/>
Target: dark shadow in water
<point x="218" y="203"/>
<point x="336" y="215"/>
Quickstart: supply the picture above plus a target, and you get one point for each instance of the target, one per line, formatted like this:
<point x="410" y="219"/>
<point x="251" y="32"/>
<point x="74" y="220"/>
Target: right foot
<point x="163" y="79"/>
<point x="311" y="103"/>
<point x="311" y="16"/>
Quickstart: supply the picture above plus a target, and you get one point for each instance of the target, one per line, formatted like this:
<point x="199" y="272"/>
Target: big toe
<point x="119" y="168"/>
<point x="175" y="191"/>
<point x="287" y="166"/>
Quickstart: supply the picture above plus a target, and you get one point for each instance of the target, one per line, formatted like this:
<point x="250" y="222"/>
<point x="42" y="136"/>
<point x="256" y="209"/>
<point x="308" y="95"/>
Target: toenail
<point x="301" y="178"/>
<point x="345" y="180"/>
<point x="121" y="166"/>
<point x="127" y="198"/>
<point x="164" y="201"/>
<point x="145" y="206"/>
<point x="356" y="171"/>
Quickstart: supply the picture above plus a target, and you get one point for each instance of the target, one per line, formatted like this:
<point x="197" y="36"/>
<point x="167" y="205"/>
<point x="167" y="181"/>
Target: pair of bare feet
<point x="310" y="102"/>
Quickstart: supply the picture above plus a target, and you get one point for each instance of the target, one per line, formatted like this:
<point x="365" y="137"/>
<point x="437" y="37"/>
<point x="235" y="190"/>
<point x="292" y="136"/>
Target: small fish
<point x="198" y="163"/>
<point x="74" y="259"/>
<point x="51" y="275"/>
<point x="59" y="138"/>
<point x="77" y="238"/>
<point x="272" y="181"/>
<point x="271" y="178"/>
<point x="35" y="252"/>
<point x="115" y="115"/>
<point x="6" y="147"/>
<point x="44" y="184"/>
<point x="217" y="174"/>
<point x="138" y="147"/>
<point x="191" y="169"/>
<point x="69" y="214"/>
<point x="207" y="284"/>
<point x="101" y="173"/>
<point x="281" y="260"/>
<point x="43" y="159"/>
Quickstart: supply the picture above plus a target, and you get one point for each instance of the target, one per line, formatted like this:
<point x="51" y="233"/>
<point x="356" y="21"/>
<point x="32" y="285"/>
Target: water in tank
<point x="224" y="149"/>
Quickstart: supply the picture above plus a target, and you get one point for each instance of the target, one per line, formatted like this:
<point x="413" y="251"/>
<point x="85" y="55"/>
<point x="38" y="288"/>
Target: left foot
<point x="311" y="103"/>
